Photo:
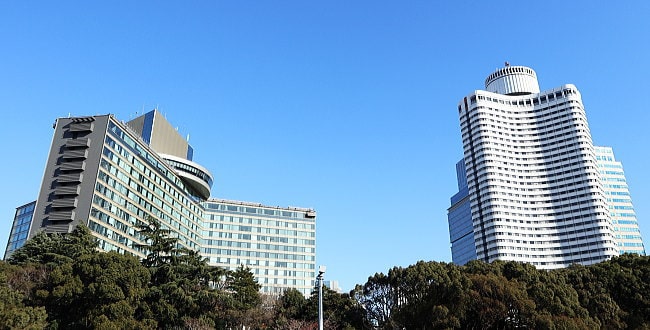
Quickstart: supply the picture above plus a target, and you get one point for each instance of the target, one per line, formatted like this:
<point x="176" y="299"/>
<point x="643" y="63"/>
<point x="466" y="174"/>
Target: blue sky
<point x="344" y="106"/>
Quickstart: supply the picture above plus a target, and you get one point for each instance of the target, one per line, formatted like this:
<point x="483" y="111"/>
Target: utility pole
<point x="319" y="278"/>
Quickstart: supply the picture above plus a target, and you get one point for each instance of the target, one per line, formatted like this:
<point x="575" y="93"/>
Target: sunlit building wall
<point x="621" y="210"/>
<point x="277" y="243"/>
<point x="534" y="186"/>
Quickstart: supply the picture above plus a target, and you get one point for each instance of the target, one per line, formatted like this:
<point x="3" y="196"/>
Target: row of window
<point x="538" y="99"/>
<point x="566" y="115"/>
<point x="579" y="250"/>
<point x="258" y="246"/>
<point x="149" y="179"/>
<point x="530" y="116"/>
<point x="533" y="140"/>
<point x="508" y="70"/>
<point x="261" y="238"/>
<point x="258" y="254"/>
<point x="258" y="222"/>
<point x="149" y="157"/>
<point x="561" y="228"/>
<point x="542" y="158"/>
<point x="255" y="210"/>
<point x="599" y="233"/>
<point x="191" y="169"/>
<point x="145" y="208"/>
<point x="253" y="229"/>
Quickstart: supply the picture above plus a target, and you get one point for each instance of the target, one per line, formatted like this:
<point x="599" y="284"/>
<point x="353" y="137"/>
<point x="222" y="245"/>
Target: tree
<point x="78" y="286"/>
<point x="244" y="287"/>
<point x="379" y="298"/>
<point x="290" y="306"/>
<point x="495" y="302"/>
<point x="555" y="300"/>
<point x="244" y="300"/>
<point x="101" y="290"/>
<point x="54" y="249"/>
<point x="594" y="296"/>
<point x="627" y="278"/>
<point x="14" y="314"/>
<point x="433" y="294"/>
<point x="184" y="289"/>
<point x="160" y="247"/>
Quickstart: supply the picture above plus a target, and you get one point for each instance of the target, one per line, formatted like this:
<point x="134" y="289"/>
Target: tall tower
<point x="533" y="184"/>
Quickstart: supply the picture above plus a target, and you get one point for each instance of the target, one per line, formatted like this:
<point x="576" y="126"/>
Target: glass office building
<point x="619" y="201"/>
<point x="20" y="228"/>
<point x="459" y="217"/>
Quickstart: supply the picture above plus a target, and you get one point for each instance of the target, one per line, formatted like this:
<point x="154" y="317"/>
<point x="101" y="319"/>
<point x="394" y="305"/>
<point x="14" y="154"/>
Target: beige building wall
<point x="163" y="138"/>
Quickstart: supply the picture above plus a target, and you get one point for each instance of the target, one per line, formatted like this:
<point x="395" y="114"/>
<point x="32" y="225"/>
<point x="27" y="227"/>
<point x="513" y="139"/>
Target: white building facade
<point x="278" y="244"/>
<point x="533" y="182"/>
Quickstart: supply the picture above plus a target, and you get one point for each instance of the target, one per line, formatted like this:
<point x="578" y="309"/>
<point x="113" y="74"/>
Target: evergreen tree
<point x="290" y="306"/>
<point x="54" y="249"/>
<point x="184" y="289"/>
<point x="244" y="289"/>
<point x="14" y="314"/>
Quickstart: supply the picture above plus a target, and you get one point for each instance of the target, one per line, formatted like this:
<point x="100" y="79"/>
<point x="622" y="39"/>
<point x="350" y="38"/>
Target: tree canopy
<point x="61" y="281"/>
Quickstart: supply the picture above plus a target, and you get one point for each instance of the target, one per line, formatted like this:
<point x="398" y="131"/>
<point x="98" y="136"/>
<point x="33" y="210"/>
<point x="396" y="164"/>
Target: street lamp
<point x="321" y="271"/>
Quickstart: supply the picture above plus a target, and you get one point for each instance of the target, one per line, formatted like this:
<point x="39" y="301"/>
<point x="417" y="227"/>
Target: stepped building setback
<point x="532" y="187"/>
<point x="111" y="176"/>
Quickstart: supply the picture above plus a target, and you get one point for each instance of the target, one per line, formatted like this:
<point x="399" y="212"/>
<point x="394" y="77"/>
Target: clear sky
<point x="348" y="107"/>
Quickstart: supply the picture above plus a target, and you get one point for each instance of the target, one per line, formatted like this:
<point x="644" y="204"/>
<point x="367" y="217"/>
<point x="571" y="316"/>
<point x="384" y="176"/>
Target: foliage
<point x="612" y="294"/>
<point x="55" y="249"/>
<point x="62" y="282"/>
<point x="181" y="289"/>
<point x="100" y="290"/>
<point x="244" y="287"/>
<point x="379" y="298"/>
<point x="290" y="306"/>
<point x="14" y="314"/>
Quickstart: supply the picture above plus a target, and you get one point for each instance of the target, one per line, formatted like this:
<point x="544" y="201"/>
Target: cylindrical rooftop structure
<point x="513" y="80"/>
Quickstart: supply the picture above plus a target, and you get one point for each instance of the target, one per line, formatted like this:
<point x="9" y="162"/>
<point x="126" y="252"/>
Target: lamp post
<point x="321" y="271"/>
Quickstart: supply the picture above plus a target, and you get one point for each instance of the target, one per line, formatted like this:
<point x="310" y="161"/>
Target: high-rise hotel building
<point x="531" y="187"/>
<point x="111" y="176"/>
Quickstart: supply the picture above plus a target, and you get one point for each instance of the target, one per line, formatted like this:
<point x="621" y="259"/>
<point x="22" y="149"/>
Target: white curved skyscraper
<point x="533" y="191"/>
